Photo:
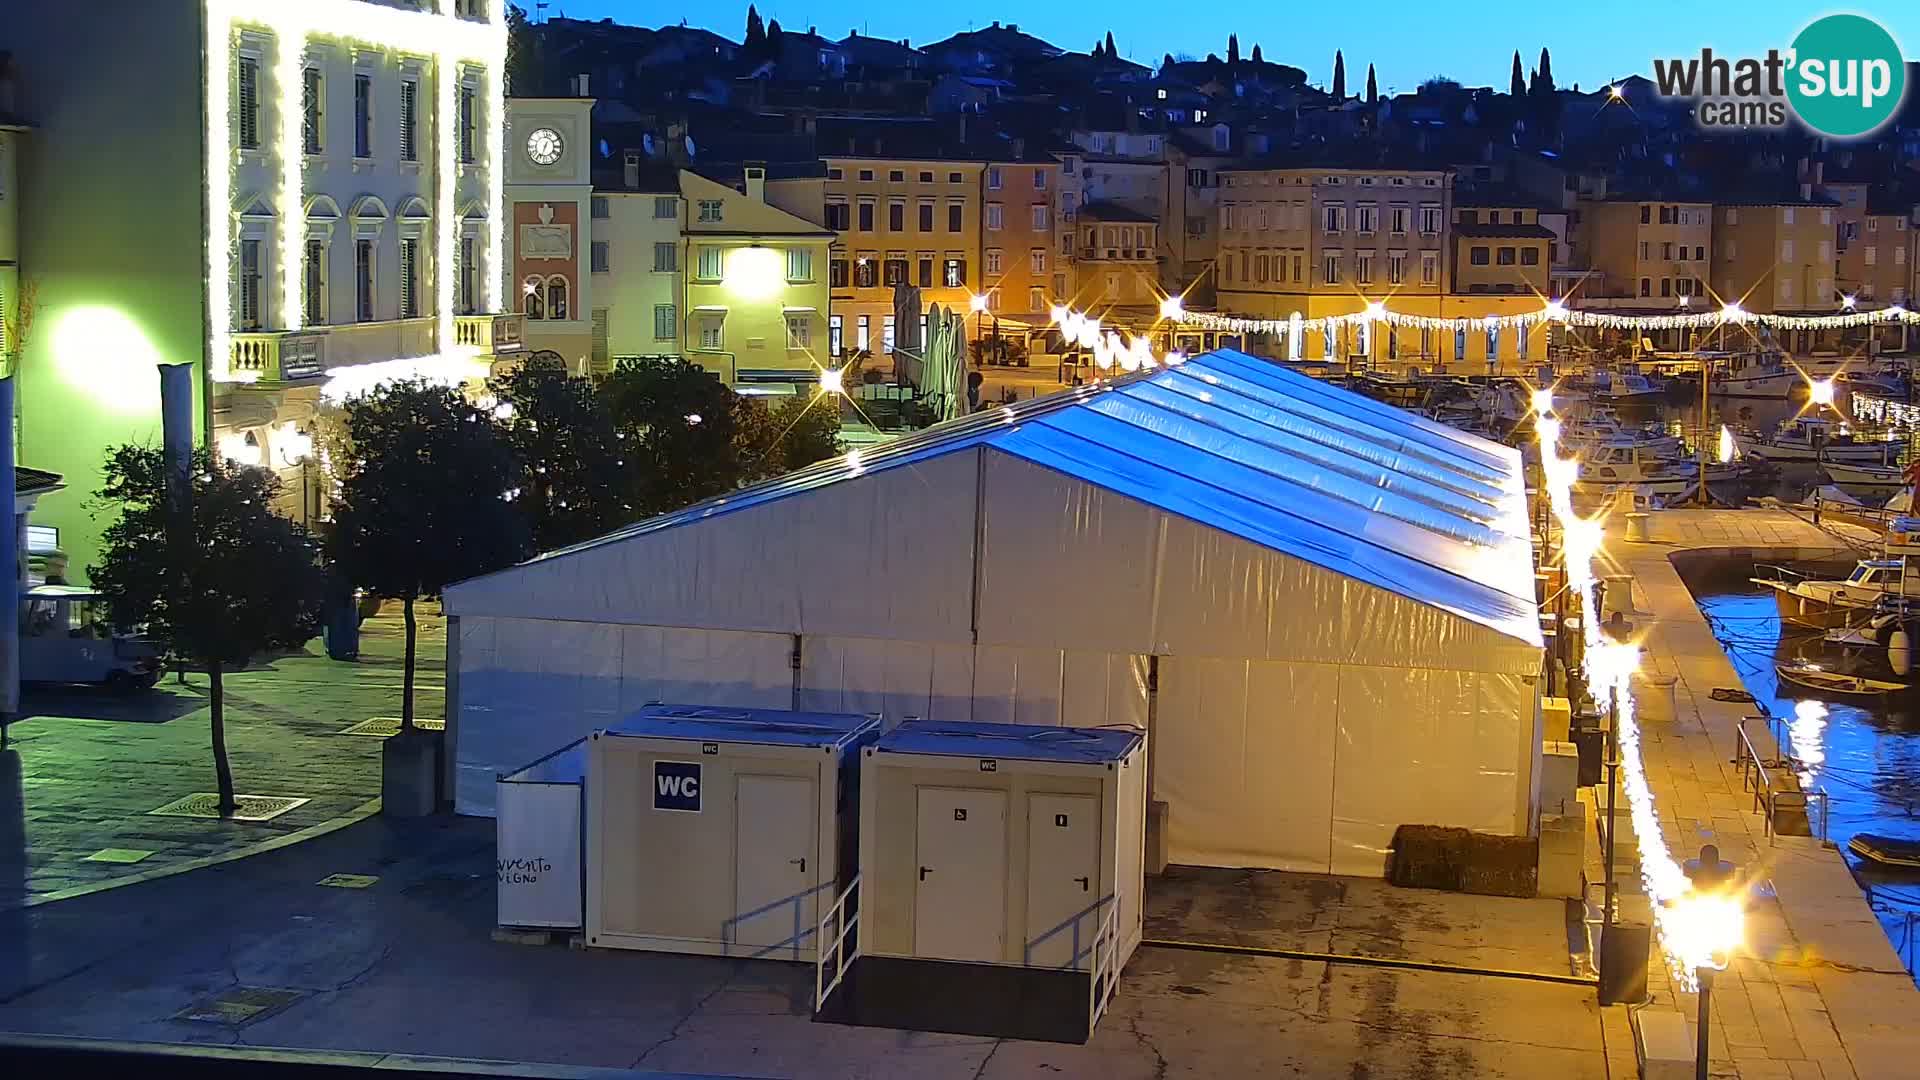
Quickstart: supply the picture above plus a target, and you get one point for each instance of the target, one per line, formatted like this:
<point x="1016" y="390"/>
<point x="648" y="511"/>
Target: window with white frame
<point x="993" y="215"/>
<point x="1333" y="221"/>
<point x="310" y="98"/>
<point x="1397" y="219"/>
<point x="1786" y="288"/>
<point x="314" y="282"/>
<point x="1368" y="217"/>
<point x="712" y="336"/>
<point x="799" y="330"/>
<point x="1396" y="267"/>
<point x="363" y="280"/>
<point x="886" y="333"/>
<point x="409" y="120"/>
<point x="1036" y="299"/>
<point x="1429" y="267"/>
<point x="1037" y="261"/>
<point x="836" y="326"/>
<point x="1363" y="267"/>
<point x="598" y="255"/>
<point x="251" y="276"/>
<point x="1039" y="179"/>
<point x="246" y="102"/>
<point x="1041" y="215"/>
<point x="469" y="122"/>
<point x="713" y="263"/>
<point x="710" y="209"/>
<point x="993" y="178"/>
<point x="799" y="264"/>
<point x="599" y="208"/>
<point x="409" y="278"/>
<point x="362" y="115"/>
<point x="666" y="259"/>
<point x="665" y="206"/>
<point x="1429" y="219"/>
<point x="1786" y="215"/>
<point x="993" y="261"/>
<point x="666" y="325"/>
<point x="1330" y="269"/>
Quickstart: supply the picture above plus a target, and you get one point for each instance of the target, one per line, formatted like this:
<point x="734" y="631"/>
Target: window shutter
<point x="409" y="293"/>
<point x="409" y="95"/>
<point x="602" y="362"/>
<point x="249" y="95"/>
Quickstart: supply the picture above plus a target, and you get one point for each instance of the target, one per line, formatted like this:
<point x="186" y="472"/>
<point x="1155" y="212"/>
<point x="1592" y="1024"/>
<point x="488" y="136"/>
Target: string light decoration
<point x="448" y="39"/>
<point x="1108" y="348"/>
<point x="1695" y="928"/>
<point x="1554" y="311"/>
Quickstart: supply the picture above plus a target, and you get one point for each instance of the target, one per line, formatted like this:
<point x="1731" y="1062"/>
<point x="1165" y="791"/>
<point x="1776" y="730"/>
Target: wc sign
<point x="676" y="786"/>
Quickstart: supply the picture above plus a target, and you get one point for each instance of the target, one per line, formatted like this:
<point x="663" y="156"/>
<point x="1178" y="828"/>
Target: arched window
<point x="557" y="298"/>
<point x="533" y="299"/>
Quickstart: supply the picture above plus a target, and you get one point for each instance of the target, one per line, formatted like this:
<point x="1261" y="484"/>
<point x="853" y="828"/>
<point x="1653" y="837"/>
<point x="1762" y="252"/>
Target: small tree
<point x="792" y="435"/>
<point x="1257" y="58"/>
<point x="678" y="422"/>
<point x="1373" y="88"/>
<point x="1233" y="48"/>
<point x="425" y="500"/>
<point x="1517" y="84"/>
<point x="248" y="581"/>
<point x="577" y="482"/>
<point x="1339" y="76"/>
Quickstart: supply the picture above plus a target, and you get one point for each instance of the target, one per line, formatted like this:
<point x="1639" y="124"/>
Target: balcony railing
<point x="277" y="356"/>
<point x="280" y="356"/>
<point x="505" y="333"/>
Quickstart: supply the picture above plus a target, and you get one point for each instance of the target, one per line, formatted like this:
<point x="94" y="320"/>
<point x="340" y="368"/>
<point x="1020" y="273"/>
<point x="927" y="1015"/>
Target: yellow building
<point x="1872" y="246"/>
<point x="755" y="277"/>
<point x="1500" y="247"/>
<point x="1776" y="254"/>
<point x="1115" y="263"/>
<point x="898" y="221"/>
<point x="1325" y="241"/>
<point x="1646" y="249"/>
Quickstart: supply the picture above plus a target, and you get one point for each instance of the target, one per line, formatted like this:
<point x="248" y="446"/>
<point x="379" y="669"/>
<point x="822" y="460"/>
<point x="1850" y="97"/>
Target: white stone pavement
<point x="1818" y="992"/>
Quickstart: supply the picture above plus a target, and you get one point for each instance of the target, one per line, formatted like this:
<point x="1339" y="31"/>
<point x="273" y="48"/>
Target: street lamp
<point x="977" y="303"/>
<point x="1705" y="927"/>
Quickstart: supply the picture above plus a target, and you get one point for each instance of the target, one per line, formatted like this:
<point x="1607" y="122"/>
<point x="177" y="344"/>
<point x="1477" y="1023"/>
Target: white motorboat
<point x="1813" y="438"/>
<point x="1625" y="463"/>
<point x="1757" y="375"/>
<point x="1822" y="604"/>
<point x="1624" y="388"/>
<point x="1873" y="476"/>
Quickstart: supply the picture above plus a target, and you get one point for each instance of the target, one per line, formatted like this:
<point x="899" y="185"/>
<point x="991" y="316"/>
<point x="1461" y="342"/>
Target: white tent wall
<point x="528" y="686"/>
<point x="1066" y="561"/>
<point x="887" y="555"/>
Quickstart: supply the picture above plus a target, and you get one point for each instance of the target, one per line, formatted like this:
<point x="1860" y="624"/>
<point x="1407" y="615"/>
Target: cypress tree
<point x="1339" y="76"/>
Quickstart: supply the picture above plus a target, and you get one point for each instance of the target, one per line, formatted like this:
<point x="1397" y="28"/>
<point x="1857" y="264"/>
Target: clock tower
<point x="549" y="195"/>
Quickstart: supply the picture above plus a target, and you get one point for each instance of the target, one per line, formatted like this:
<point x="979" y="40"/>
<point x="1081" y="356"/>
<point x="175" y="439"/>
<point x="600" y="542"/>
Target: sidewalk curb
<point x="358" y="814"/>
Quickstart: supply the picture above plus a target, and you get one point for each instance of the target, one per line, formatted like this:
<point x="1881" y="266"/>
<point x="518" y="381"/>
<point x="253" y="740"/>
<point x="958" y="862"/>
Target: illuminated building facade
<point x="754" y="275"/>
<point x="317" y="210"/>
<point x="552" y="251"/>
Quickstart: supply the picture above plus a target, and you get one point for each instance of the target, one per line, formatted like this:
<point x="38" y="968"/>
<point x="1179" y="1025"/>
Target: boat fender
<point x="1900" y="651"/>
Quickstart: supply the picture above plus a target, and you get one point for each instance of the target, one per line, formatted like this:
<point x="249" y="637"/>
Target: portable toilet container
<point x="538" y="847"/>
<point x="1002" y="880"/>
<point x="720" y="831"/>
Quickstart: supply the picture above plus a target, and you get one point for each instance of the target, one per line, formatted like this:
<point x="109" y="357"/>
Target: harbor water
<point x="1863" y="753"/>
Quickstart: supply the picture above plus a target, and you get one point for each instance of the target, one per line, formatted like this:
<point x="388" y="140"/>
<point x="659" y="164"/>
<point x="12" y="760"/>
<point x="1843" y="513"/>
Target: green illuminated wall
<point x="111" y="234"/>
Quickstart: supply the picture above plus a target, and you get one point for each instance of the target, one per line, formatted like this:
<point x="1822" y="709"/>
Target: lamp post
<point x="1704" y="975"/>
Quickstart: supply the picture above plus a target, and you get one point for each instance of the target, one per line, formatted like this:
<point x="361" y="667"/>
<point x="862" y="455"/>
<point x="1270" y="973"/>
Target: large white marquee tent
<point x="1320" y="606"/>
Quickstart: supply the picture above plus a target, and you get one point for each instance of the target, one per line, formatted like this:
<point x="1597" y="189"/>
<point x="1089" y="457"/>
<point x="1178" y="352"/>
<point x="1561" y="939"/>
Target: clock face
<point x="543" y="146"/>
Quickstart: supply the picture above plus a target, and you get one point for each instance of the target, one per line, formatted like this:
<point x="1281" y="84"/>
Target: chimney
<point x="7" y="92"/>
<point x="630" y="169"/>
<point x="996" y="24"/>
<point x="1019" y="149"/>
<point x="756" y="174"/>
<point x="1806" y="191"/>
<point x="580" y="85"/>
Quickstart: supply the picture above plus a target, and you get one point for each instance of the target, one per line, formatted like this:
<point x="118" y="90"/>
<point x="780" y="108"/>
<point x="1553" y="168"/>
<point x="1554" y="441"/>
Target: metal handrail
<point x="800" y="932"/>
<point x="1767" y="798"/>
<point x="832" y="939"/>
<point x="1781" y="574"/>
<point x="1101" y="976"/>
<point x="1072" y="921"/>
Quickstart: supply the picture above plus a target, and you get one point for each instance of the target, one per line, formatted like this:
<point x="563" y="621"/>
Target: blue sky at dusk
<point x="1592" y="40"/>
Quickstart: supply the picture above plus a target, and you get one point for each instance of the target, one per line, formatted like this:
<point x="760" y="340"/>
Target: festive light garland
<point x="1695" y="928"/>
<point x="1553" y="312"/>
<point x="449" y="39"/>
<point x="1109" y="349"/>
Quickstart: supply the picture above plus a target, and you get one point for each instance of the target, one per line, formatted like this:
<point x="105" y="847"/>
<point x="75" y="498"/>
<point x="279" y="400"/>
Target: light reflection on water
<point x="1871" y="765"/>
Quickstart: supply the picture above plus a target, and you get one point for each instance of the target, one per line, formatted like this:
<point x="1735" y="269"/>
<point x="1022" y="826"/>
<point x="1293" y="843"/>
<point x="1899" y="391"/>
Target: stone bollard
<point x="1618" y="595"/>
<point x="1638" y="528"/>
<point x="1653" y="697"/>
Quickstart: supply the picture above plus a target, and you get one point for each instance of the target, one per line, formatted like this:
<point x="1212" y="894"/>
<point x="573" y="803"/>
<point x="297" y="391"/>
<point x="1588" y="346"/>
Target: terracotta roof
<point x="35" y="481"/>
<point x="1515" y="232"/>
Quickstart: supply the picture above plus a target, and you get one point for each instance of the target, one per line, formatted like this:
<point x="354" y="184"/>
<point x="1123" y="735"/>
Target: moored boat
<point x="1812" y="438"/>
<point x="1890" y="851"/>
<point x="1811" y="676"/>
<point x="1820" y="604"/>
<point x="1875" y="476"/>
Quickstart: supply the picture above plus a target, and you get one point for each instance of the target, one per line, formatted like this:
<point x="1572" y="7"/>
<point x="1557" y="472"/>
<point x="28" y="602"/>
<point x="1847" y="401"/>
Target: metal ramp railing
<point x="838" y="944"/>
<point x="1104" y="975"/>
